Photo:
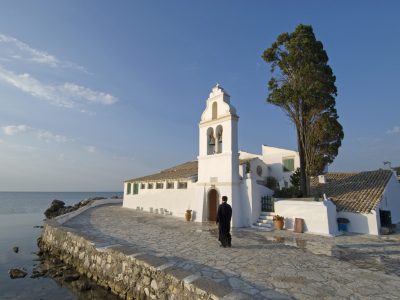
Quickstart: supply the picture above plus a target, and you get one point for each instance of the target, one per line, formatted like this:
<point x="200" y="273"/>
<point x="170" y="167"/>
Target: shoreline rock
<point x="58" y="208"/>
<point x="17" y="273"/>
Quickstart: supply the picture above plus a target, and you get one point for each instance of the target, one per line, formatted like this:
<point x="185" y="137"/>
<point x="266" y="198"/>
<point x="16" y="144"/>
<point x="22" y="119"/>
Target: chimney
<point x="322" y="179"/>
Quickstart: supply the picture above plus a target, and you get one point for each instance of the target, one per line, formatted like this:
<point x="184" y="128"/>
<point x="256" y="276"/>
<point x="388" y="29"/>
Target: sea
<point x="21" y="215"/>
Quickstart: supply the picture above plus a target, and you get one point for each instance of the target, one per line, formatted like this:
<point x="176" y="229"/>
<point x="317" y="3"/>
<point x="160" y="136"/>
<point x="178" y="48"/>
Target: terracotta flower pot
<point x="188" y="215"/>
<point x="278" y="224"/>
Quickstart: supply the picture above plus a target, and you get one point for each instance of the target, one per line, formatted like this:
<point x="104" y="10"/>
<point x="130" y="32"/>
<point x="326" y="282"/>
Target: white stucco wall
<point x="319" y="216"/>
<point x="273" y="157"/>
<point x="176" y="201"/>
<point x="361" y="223"/>
<point x="250" y="200"/>
<point x="391" y="199"/>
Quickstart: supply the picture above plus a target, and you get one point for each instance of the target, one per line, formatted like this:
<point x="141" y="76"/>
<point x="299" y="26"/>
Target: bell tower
<point x="218" y="171"/>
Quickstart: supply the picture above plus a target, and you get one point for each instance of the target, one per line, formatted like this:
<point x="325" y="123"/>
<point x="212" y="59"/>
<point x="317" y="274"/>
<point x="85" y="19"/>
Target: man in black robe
<point x="224" y="216"/>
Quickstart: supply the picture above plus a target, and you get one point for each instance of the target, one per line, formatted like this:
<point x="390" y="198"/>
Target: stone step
<point x="266" y="218"/>
<point x="265" y="221"/>
<point x="269" y="225"/>
<point x="263" y="228"/>
<point x="265" y="213"/>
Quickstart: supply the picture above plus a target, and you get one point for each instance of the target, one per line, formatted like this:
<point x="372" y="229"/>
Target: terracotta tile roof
<point x="354" y="192"/>
<point x="182" y="171"/>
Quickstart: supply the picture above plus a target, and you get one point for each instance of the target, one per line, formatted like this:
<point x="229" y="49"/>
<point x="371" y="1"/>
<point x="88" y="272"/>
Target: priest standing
<point x="224" y="216"/>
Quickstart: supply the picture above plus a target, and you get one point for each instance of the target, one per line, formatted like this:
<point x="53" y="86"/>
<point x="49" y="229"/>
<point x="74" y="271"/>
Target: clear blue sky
<point x="95" y="92"/>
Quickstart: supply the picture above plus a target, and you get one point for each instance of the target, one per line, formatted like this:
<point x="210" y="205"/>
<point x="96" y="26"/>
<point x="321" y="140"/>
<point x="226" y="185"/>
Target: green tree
<point x="303" y="86"/>
<point x="295" y="178"/>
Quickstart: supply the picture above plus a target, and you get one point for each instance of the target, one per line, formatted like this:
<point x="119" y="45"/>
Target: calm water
<point x="19" y="213"/>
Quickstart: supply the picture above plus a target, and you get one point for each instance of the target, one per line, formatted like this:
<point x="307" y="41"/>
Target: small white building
<point x="369" y="200"/>
<point x="220" y="170"/>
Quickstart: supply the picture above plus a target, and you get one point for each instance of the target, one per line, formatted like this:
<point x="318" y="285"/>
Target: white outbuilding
<point x="369" y="200"/>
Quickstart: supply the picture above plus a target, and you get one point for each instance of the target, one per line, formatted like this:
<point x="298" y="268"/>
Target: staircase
<point x="265" y="221"/>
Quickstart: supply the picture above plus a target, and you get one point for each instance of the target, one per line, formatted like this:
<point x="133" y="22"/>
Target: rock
<point x="58" y="208"/>
<point x="71" y="277"/>
<point x="57" y="204"/>
<point x="15" y="249"/>
<point x="38" y="226"/>
<point x="39" y="242"/>
<point x="154" y="285"/>
<point x="55" y="209"/>
<point x="56" y="261"/>
<point x="96" y="198"/>
<point x="115" y="197"/>
<point x="36" y="274"/>
<point x="83" y="285"/>
<point x="83" y="203"/>
<point x="16" y="273"/>
<point x="146" y="280"/>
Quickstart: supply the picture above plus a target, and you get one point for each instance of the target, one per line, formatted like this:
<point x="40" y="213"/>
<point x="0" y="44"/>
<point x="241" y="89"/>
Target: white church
<point x="369" y="200"/>
<point x="220" y="170"/>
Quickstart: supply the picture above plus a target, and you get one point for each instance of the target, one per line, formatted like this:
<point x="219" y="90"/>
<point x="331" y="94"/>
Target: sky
<point x="96" y="92"/>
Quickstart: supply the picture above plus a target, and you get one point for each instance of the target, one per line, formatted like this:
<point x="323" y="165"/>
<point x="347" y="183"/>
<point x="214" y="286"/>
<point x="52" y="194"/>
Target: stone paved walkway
<point x="272" y="265"/>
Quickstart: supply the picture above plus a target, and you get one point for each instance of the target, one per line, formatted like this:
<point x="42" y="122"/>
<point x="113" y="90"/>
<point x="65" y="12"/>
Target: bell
<point x="212" y="141"/>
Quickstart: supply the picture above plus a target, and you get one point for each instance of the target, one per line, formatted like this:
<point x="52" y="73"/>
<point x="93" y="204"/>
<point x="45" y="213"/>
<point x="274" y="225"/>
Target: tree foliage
<point x="295" y="178"/>
<point x="272" y="183"/>
<point x="303" y="86"/>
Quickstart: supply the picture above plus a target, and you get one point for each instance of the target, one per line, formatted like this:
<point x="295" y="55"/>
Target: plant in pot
<point x="188" y="215"/>
<point x="279" y="221"/>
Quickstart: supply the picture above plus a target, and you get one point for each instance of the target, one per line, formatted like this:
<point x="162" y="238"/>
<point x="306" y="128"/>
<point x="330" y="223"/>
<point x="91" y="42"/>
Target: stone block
<point x="154" y="285"/>
<point x="204" y="284"/>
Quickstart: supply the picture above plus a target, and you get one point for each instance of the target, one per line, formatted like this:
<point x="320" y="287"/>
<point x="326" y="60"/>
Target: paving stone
<point x="301" y="266"/>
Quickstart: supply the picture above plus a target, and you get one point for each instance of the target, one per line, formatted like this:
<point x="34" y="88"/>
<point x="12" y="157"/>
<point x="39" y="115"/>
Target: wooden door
<point x="212" y="205"/>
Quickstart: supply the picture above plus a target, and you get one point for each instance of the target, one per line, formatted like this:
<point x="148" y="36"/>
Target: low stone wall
<point x="129" y="274"/>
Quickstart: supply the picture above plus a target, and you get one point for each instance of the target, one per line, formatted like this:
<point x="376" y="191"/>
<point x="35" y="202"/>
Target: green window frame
<point x="128" y="188"/>
<point x="182" y="185"/>
<point x="288" y="164"/>
<point x="136" y="188"/>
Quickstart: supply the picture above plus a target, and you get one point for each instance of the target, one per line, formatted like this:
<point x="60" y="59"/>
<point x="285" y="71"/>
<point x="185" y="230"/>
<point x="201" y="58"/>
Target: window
<point x="170" y="185"/>
<point x="128" y="188"/>
<point x="259" y="171"/>
<point x="135" y="188"/>
<point x="214" y="110"/>
<point x="182" y="185"/>
<point x="142" y="186"/>
<point x="159" y="185"/>
<point x="288" y="164"/>
<point x="150" y="186"/>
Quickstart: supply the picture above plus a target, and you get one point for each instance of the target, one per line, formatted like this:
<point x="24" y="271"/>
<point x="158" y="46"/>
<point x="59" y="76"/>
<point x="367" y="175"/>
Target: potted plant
<point x="188" y="215"/>
<point x="278" y="222"/>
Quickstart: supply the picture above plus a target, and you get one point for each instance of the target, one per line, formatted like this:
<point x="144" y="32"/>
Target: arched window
<point x="128" y="188"/>
<point x="219" y="138"/>
<point x="214" y="110"/>
<point x="210" y="141"/>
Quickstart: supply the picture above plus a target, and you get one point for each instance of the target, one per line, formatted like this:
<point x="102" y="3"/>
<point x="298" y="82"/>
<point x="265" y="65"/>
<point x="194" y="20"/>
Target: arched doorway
<point x="212" y="205"/>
